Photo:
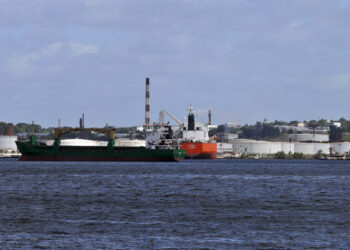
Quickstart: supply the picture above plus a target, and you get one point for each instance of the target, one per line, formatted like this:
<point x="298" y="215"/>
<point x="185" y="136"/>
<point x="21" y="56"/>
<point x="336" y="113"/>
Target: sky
<point x="246" y="60"/>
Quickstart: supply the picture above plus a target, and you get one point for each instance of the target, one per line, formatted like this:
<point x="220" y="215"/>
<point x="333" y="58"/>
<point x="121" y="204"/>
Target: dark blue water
<point x="237" y="204"/>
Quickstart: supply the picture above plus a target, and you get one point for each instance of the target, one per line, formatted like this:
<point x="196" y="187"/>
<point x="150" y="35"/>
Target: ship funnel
<point x="147" y="106"/>
<point x="191" y="121"/>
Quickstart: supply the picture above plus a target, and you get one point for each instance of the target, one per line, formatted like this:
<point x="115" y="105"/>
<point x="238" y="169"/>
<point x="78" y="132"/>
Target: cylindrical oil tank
<point x="10" y="129"/>
<point x="224" y="148"/>
<point x="256" y="147"/>
<point x="307" y="137"/>
<point x="340" y="147"/>
<point x="287" y="147"/>
<point x="8" y="143"/>
<point x="310" y="148"/>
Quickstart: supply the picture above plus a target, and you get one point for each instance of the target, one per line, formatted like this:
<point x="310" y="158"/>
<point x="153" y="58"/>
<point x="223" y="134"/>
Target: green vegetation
<point x="269" y="131"/>
<point x="335" y="134"/>
<point x="280" y="155"/>
<point x="346" y="136"/>
<point x="295" y="156"/>
<point x="2" y="127"/>
<point x="260" y="131"/>
<point x="298" y="156"/>
<point x="320" y="155"/>
<point x="26" y="128"/>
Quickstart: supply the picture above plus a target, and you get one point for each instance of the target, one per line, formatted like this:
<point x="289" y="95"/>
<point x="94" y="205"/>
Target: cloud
<point x="79" y="49"/>
<point x="44" y="60"/>
<point x="26" y="63"/>
<point x="246" y="59"/>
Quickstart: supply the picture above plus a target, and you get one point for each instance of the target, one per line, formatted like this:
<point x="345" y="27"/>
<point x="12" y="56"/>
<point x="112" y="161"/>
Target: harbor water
<point x="240" y="204"/>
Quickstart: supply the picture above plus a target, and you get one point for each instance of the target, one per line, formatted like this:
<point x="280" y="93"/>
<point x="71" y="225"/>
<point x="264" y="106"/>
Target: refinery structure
<point x="202" y="140"/>
<point x="302" y="139"/>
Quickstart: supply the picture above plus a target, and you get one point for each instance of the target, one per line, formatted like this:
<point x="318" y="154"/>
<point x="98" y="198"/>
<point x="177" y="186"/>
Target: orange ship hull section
<point x="195" y="150"/>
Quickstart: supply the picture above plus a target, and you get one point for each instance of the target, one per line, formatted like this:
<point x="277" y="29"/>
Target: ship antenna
<point x="32" y="127"/>
<point x="190" y="108"/>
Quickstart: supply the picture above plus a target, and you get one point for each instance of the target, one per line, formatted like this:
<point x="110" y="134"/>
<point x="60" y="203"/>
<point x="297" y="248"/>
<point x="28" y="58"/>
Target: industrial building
<point x="225" y="133"/>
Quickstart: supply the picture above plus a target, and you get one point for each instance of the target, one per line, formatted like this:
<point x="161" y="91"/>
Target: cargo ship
<point x="192" y="136"/>
<point x="34" y="151"/>
<point x="196" y="141"/>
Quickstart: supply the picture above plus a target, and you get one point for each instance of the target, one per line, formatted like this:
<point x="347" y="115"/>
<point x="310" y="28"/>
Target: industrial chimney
<point x="147" y="107"/>
<point x="209" y="117"/>
<point x="81" y="125"/>
<point x="10" y="130"/>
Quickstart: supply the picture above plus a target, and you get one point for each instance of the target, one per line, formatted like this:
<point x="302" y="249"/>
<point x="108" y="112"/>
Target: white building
<point x="337" y="124"/>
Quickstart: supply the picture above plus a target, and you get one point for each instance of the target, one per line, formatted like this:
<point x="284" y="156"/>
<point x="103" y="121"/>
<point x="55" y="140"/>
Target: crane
<point x="172" y="117"/>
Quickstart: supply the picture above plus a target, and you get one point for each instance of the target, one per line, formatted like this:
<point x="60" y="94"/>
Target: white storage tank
<point x="287" y="147"/>
<point x="224" y="147"/>
<point x="256" y="147"/>
<point x="307" y="137"/>
<point x="321" y="146"/>
<point x="8" y="143"/>
<point x="310" y="148"/>
<point x="340" y="147"/>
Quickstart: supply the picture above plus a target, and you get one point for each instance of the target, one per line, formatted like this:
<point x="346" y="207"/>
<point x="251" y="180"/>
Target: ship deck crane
<point x="173" y="117"/>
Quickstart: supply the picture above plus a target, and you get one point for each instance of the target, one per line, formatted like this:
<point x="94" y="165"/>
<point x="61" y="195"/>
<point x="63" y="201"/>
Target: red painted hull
<point x="195" y="150"/>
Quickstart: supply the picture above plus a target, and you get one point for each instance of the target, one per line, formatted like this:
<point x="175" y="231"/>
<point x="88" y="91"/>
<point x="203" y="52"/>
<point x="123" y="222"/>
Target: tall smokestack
<point x="147" y="107"/>
<point x="83" y="118"/>
<point x="81" y="125"/>
<point x="209" y="117"/>
<point x="10" y="129"/>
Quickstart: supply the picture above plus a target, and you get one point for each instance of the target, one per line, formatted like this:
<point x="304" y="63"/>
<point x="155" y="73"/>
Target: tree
<point x="320" y="154"/>
<point x="3" y="126"/>
<point x="335" y="134"/>
<point x="280" y="155"/>
<point x="298" y="156"/>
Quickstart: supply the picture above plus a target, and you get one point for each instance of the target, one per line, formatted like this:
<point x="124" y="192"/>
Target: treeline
<point x="26" y="128"/>
<point x="268" y="131"/>
<point x="260" y="131"/>
<point x="283" y="155"/>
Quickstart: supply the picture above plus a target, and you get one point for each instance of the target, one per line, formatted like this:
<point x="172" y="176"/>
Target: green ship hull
<point x="32" y="151"/>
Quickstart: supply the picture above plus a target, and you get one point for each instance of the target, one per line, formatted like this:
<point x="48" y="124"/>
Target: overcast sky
<point x="245" y="60"/>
